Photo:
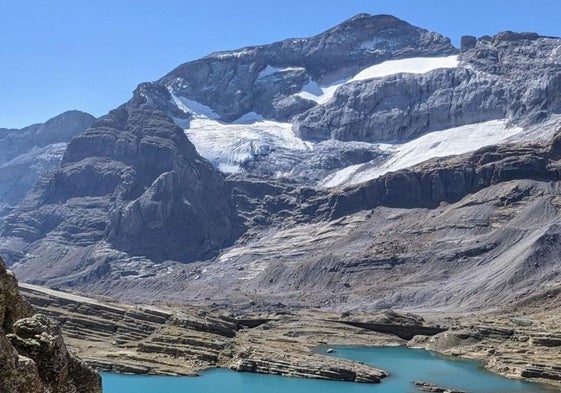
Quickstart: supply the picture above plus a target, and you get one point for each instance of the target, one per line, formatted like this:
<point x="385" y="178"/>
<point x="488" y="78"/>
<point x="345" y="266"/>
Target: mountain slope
<point x="132" y="181"/>
<point x="28" y="153"/>
<point x="365" y="104"/>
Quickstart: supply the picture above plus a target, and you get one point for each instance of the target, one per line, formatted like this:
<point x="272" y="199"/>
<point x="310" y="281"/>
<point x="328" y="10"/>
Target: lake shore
<point x="183" y="340"/>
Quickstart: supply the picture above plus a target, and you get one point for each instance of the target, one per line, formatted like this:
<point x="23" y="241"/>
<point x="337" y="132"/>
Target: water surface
<point x="404" y="364"/>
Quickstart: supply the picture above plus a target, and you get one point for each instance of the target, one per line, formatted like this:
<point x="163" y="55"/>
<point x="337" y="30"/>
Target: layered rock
<point x="510" y="75"/>
<point x="187" y="340"/>
<point x="506" y="347"/>
<point x="33" y="356"/>
<point x="264" y="79"/>
<point x="133" y="181"/>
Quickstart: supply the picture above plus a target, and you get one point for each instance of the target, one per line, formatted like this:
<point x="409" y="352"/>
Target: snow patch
<point x="230" y="146"/>
<point x="194" y="108"/>
<point x="415" y="65"/>
<point x="320" y="94"/>
<point x="453" y="141"/>
<point x="270" y="70"/>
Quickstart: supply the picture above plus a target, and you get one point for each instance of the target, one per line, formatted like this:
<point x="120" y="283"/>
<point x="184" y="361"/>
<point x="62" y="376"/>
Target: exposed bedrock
<point x="26" y="154"/>
<point x="264" y="79"/>
<point x="186" y="340"/>
<point x="511" y="75"/>
<point x="33" y="356"/>
<point x="135" y="181"/>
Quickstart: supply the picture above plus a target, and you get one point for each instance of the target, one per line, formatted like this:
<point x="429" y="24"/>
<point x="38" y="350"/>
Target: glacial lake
<point x="404" y="365"/>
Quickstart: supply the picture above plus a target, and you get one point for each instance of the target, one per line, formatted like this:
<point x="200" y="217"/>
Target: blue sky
<point x="57" y="55"/>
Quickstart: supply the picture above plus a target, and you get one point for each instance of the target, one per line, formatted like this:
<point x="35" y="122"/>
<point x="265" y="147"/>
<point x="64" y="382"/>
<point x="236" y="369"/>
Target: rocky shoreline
<point x="182" y="340"/>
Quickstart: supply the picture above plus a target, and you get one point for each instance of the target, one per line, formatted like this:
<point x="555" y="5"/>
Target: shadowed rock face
<point x="33" y="357"/>
<point x="141" y="186"/>
<point x="28" y="153"/>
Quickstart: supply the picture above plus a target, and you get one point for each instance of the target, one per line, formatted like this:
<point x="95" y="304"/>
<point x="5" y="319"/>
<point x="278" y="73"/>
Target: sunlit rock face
<point x="33" y="357"/>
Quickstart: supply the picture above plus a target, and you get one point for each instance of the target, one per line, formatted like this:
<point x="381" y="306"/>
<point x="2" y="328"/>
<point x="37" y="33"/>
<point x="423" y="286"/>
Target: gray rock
<point x="132" y="180"/>
<point x="467" y="42"/>
<point x="514" y="76"/>
<point x="28" y="153"/>
<point x="262" y="78"/>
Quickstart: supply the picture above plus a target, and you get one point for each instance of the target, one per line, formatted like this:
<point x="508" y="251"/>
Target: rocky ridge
<point x="33" y="355"/>
<point x="133" y="181"/>
<point x="264" y="79"/>
<point x="511" y="75"/>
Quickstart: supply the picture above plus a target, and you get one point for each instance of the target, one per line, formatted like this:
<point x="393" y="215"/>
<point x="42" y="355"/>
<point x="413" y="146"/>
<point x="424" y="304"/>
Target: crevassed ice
<point x="228" y="146"/>
<point x="415" y="65"/>
<point x="453" y="141"/>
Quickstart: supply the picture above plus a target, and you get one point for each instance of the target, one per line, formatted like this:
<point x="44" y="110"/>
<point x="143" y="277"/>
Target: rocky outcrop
<point x="404" y="106"/>
<point x="264" y="79"/>
<point x="430" y="387"/>
<point x="402" y="325"/>
<point x="28" y="153"/>
<point x="33" y="356"/>
<point x="528" y="352"/>
<point x="449" y="180"/>
<point x="186" y="340"/>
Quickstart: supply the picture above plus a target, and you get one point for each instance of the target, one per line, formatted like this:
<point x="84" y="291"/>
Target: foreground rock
<point x="33" y="355"/>
<point x="186" y="340"/>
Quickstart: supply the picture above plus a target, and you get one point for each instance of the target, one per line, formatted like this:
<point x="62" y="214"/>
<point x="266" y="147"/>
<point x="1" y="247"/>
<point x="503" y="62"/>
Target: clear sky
<point x="89" y="55"/>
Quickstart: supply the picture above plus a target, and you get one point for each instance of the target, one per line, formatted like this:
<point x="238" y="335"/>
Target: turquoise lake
<point x="404" y="365"/>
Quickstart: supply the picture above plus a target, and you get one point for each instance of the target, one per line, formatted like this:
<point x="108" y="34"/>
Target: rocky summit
<point x="371" y="166"/>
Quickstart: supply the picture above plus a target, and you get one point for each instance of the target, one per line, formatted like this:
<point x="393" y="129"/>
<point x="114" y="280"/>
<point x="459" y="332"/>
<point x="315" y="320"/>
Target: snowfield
<point x="415" y="65"/>
<point x="453" y="141"/>
<point x="229" y="146"/>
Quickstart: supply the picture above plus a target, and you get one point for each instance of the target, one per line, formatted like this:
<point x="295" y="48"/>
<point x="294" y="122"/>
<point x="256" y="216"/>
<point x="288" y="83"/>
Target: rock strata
<point x="185" y="340"/>
<point x="430" y="387"/>
<point x="33" y="355"/>
<point x="505" y="347"/>
<point x="264" y="79"/>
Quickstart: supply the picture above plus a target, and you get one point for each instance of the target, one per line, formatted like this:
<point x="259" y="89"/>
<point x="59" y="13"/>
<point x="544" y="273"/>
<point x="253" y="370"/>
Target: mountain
<point x="371" y="166"/>
<point x="28" y="153"/>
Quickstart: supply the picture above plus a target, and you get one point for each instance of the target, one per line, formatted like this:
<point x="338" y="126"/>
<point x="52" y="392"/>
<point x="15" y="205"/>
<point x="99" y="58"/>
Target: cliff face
<point x="33" y="357"/>
<point x="132" y="181"/>
<point x="264" y="79"/>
